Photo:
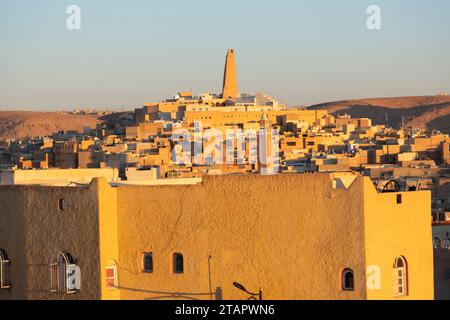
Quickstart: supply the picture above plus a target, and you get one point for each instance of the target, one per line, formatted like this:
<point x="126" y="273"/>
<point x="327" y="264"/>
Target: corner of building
<point x="397" y="224"/>
<point x="108" y="234"/>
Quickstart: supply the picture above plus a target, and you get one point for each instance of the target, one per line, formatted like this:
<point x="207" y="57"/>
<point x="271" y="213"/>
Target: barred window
<point x="400" y="277"/>
<point x="436" y="243"/>
<point x="5" y="281"/>
<point x="64" y="274"/>
<point x="445" y="244"/>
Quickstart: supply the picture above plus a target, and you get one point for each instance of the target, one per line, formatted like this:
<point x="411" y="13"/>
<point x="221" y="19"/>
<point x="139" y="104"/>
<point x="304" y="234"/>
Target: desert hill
<point x="426" y="112"/>
<point x="22" y="124"/>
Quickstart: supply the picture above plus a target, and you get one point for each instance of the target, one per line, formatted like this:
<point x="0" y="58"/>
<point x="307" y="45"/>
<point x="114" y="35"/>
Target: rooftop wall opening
<point x="343" y="180"/>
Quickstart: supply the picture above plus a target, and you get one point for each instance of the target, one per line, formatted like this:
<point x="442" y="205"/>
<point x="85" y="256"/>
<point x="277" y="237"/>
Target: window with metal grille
<point x="5" y="281"/>
<point x="445" y="244"/>
<point x="436" y="243"/>
<point x="147" y="262"/>
<point x="178" y="263"/>
<point x="63" y="272"/>
<point x="400" y="277"/>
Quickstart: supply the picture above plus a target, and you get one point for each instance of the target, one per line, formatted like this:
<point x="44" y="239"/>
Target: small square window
<point x="399" y="199"/>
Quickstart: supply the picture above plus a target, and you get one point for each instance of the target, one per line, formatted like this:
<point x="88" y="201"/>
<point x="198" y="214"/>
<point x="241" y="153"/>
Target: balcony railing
<point x="441" y="244"/>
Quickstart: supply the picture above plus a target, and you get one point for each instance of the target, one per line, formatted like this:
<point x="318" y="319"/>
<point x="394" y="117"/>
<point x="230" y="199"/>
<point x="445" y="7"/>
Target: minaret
<point x="230" y="87"/>
<point x="267" y="147"/>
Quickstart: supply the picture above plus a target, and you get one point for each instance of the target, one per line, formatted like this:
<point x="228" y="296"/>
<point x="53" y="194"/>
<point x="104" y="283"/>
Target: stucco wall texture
<point x="33" y="230"/>
<point x="289" y="235"/>
<point x="264" y="232"/>
<point x="394" y="230"/>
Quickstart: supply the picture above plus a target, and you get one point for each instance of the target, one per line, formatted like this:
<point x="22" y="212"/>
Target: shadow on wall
<point x="442" y="124"/>
<point x="161" y="295"/>
<point x="436" y="116"/>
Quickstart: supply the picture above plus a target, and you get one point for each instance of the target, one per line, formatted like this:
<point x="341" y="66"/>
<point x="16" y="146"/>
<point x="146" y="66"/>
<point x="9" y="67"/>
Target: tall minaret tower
<point x="230" y="87"/>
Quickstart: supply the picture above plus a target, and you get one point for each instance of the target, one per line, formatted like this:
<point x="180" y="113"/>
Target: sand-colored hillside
<point x="22" y="124"/>
<point x="427" y="112"/>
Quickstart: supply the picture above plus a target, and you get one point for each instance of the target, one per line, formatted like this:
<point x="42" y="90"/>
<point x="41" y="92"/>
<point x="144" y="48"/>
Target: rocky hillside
<point x="427" y="112"/>
<point x="22" y="124"/>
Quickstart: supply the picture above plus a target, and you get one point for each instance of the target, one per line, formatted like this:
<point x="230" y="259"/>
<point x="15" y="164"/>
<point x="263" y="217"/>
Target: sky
<point x="301" y="52"/>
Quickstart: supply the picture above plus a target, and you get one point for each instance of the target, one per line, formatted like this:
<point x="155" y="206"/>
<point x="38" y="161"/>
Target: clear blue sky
<point x="136" y="51"/>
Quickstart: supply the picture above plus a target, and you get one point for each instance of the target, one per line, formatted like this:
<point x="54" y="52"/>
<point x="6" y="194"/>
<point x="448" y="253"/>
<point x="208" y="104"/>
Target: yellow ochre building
<point x="311" y="236"/>
<point x="218" y="110"/>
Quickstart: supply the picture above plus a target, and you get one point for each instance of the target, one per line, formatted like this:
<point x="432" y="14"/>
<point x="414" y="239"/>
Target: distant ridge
<point x="23" y="124"/>
<point x="425" y="112"/>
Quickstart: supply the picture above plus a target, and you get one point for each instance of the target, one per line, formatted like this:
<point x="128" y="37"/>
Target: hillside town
<point x="142" y="145"/>
<point x="192" y="136"/>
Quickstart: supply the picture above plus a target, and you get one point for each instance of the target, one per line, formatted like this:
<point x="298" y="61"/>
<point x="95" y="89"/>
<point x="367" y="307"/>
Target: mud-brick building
<point x="312" y="236"/>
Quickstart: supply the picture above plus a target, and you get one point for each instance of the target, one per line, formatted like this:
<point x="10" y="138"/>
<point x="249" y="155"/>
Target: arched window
<point x="147" y="262"/>
<point x="348" y="280"/>
<point x="178" y="264"/>
<point x="5" y="281"/>
<point x="400" y="277"/>
<point x="62" y="266"/>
